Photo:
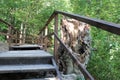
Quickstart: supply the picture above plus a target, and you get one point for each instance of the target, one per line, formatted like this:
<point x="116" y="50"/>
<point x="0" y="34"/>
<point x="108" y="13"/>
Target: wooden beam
<point x="108" y="26"/>
<point x="55" y="40"/>
<point x="46" y="25"/>
<point x="82" y="69"/>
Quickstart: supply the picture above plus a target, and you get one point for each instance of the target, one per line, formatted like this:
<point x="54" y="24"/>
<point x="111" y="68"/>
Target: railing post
<point x="16" y="36"/>
<point x="46" y="33"/>
<point x="55" y="40"/>
<point x="12" y="38"/>
<point x="9" y="36"/>
<point x="42" y="39"/>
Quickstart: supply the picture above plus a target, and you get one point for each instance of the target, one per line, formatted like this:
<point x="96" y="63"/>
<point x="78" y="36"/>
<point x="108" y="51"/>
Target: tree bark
<point x="76" y="36"/>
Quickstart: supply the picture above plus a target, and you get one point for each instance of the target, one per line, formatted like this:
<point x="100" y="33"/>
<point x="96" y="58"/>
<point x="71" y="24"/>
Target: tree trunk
<point x="76" y="36"/>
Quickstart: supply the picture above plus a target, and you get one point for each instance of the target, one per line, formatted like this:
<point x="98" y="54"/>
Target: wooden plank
<point x="25" y="54"/>
<point x="26" y="46"/>
<point x="26" y="68"/>
<point x="6" y="34"/>
<point x="55" y="40"/>
<point x="57" y="70"/>
<point x="46" y="25"/>
<point x="54" y="78"/>
<point x="108" y="26"/>
<point x="75" y="60"/>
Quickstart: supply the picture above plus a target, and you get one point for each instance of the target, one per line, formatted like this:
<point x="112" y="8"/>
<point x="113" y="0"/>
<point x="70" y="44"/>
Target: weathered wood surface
<point x="26" y="47"/>
<point x="25" y="68"/>
<point x="25" y="54"/>
<point x="108" y="26"/>
<point x="54" y="78"/>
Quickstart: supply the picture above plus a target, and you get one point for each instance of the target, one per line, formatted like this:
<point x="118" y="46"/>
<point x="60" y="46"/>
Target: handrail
<point x="8" y="24"/>
<point x="83" y="70"/>
<point x="48" y="21"/>
<point x="9" y="33"/>
<point x="108" y="26"/>
<point x="5" y="34"/>
<point x="5" y="22"/>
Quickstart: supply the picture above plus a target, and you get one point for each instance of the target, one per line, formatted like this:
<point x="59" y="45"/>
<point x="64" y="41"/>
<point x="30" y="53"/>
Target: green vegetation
<point x="105" y="61"/>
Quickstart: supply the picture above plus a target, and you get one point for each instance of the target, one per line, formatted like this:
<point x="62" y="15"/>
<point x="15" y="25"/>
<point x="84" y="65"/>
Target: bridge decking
<point x="26" y="47"/>
<point x="26" y="53"/>
<point x="25" y="68"/>
<point x="25" y="61"/>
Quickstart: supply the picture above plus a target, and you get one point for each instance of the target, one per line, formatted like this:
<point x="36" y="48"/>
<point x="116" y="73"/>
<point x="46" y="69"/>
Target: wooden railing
<point x="108" y="26"/>
<point x="11" y="34"/>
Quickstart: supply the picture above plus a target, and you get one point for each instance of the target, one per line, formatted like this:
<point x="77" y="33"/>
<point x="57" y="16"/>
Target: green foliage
<point x="2" y="38"/>
<point x="105" y="62"/>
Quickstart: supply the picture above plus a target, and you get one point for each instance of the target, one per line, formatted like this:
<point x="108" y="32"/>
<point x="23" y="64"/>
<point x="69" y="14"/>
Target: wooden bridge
<point x="33" y="60"/>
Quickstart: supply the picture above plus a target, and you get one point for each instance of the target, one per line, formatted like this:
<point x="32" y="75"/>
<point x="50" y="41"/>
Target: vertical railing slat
<point x="9" y="36"/>
<point x="55" y="40"/>
<point x="46" y="33"/>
